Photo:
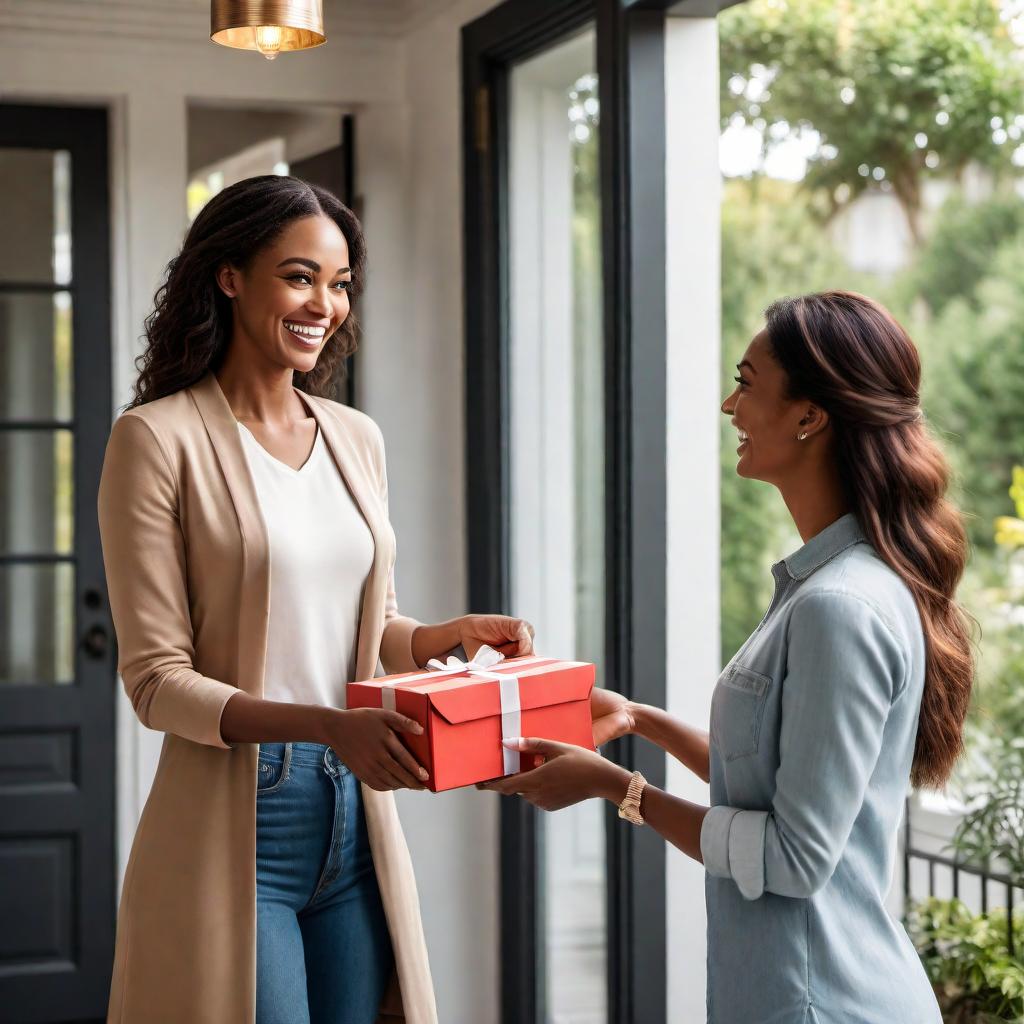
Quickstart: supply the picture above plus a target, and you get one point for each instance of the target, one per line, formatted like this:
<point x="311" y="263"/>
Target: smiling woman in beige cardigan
<point x="242" y="348"/>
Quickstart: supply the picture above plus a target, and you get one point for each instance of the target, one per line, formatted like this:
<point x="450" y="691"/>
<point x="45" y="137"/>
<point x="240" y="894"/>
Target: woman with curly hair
<point x="855" y="684"/>
<point x="249" y="559"/>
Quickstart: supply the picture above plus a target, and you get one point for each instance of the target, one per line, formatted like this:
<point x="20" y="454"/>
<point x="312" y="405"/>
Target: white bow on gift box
<point x="480" y="667"/>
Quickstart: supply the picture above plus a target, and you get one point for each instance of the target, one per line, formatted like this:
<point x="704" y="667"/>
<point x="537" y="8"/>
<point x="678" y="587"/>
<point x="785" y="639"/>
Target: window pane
<point x="35" y="355"/>
<point x="35" y="209"/>
<point x="36" y="492"/>
<point x="37" y="624"/>
<point x="557" y="461"/>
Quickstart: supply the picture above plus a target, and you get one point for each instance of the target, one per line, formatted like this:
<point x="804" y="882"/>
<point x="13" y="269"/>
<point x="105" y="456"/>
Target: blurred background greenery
<point x="878" y="146"/>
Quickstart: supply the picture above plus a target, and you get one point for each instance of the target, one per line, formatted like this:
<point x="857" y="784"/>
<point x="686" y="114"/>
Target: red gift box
<point x="466" y="708"/>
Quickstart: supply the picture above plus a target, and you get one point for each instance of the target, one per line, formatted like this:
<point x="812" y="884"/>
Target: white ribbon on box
<point x="480" y="665"/>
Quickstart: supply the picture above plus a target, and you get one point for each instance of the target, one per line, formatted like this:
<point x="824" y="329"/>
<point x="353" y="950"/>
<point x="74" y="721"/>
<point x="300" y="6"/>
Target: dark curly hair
<point x="190" y="327"/>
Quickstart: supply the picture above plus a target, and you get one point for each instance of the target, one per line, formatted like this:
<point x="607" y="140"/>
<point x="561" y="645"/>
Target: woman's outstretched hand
<point x="507" y="635"/>
<point x="366" y="740"/>
<point x="567" y="775"/>
<point x="613" y="715"/>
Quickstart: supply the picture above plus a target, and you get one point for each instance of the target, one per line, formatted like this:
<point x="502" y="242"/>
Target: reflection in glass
<point x="35" y="210"/>
<point x="37" y="493"/>
<point x="37" y="624"/>
<point x="267" y="156"/>
<point x="557" y="466"/>
<point x="35" y="355"/>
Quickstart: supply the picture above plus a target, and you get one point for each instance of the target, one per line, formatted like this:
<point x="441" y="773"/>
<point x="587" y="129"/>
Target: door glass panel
<point x="557" y="466"/>
<point x="37" y="623"/>
<point x="36" y="499"/>
<point x="35" y="355"/>
<point x="35" y="209"/>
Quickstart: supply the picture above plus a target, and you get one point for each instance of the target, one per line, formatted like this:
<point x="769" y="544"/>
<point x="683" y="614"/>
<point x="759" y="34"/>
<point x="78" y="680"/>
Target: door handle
<point x="96" y="642"/>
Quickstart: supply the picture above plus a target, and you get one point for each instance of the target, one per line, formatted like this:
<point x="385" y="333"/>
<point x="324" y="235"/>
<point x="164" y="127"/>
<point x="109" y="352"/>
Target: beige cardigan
<point x="186" y="556"/>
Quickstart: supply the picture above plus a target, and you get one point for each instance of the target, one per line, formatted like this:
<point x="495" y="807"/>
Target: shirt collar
<point x="823" y="547"/>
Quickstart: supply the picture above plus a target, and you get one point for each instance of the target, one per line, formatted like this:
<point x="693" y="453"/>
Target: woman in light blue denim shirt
<point x="855" y="683"/>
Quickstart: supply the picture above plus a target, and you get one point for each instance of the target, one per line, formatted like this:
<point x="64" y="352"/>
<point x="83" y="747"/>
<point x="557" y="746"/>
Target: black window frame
<point x="631" y="88"/>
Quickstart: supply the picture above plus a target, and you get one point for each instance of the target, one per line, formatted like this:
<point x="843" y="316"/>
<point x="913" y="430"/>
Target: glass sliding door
<point x="564" y="236"/>
<point x="557" y="467"/>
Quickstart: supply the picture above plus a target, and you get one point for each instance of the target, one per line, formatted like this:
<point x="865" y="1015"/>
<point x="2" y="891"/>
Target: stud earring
<point x="802" y="436"/>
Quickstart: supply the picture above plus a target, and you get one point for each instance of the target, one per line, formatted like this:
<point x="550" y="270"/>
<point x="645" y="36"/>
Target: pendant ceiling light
<point x="270" y="26"/>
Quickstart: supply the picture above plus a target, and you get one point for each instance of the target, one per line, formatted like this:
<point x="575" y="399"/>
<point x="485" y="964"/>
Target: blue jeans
<point x="323" y="954"/>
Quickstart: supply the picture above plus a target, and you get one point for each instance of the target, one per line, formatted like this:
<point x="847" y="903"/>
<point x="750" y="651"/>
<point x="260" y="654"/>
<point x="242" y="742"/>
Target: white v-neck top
<point x="321" y="552"/>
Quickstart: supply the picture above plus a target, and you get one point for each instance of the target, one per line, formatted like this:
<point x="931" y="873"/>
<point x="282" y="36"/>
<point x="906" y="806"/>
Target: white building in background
<point x="872" y="232"/>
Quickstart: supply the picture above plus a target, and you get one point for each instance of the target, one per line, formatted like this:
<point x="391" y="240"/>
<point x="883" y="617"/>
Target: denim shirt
<point x="813" y="725"/>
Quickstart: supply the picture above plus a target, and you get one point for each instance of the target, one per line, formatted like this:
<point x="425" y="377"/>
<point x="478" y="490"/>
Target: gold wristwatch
<point x="630" y="807"/>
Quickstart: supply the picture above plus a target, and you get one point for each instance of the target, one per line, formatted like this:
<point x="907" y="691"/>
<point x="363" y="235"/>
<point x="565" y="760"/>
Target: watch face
<point x="631" y="813"/>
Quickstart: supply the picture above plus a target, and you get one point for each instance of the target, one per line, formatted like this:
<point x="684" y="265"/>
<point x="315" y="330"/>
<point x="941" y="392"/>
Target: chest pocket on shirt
<point x="737" y="707"/>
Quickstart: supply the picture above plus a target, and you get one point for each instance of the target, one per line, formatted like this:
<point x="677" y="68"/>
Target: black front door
<point x="57" y="664"/>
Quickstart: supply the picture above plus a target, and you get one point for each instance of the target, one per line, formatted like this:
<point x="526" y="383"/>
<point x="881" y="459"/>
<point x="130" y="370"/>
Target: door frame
<point x="630" y="68"/>
<point x="88" y="706"/>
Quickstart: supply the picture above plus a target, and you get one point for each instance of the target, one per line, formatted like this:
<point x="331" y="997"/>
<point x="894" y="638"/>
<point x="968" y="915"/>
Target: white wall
<point x="693" y="311"/>
<point x="218" y="133"/>
<point x="410" y="158"/>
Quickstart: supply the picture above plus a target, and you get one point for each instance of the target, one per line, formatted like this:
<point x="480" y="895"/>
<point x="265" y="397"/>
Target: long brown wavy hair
<point x="190" y="327"/>
<point x="847" y="354"/>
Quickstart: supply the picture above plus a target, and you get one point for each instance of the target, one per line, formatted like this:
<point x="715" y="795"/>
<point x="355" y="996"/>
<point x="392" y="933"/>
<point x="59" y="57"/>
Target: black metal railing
<point x="957" y="868"/>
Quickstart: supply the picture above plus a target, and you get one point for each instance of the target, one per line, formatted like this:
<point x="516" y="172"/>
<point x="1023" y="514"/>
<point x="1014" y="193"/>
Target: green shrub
<point x="968" y="962"/>
<point x="991" y="833"/>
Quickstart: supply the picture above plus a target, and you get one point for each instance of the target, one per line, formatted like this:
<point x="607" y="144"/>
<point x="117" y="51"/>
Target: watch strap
<point x="630" y="806"/>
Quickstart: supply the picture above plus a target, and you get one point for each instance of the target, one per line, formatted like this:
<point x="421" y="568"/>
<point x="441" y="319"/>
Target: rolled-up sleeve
<point x="732" y="845"/>
<point x="844" y="667"/>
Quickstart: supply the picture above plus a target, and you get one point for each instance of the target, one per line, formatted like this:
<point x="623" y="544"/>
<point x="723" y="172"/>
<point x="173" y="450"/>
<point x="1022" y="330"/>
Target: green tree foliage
<point x="963" y="303"/>
<point x="959" y="249"/>
<point x="771" y="247"/>
<point x="973" y="351"/>
<point x="896" y="89"/>
<point x="787" y="67"/>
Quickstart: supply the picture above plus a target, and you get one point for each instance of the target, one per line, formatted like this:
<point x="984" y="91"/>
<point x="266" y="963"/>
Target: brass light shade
<point x="270" y="26"/>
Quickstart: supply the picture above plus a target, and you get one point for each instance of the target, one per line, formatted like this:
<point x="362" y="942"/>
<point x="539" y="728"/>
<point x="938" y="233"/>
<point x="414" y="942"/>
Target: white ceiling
<point x="183" y="20"/>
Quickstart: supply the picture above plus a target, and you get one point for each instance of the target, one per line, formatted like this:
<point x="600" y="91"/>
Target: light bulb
<point x="268" y="40"/>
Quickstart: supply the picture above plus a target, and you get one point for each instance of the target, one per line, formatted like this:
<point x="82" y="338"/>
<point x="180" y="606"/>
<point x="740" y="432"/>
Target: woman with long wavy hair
<point x="249" y="559"/>
<point x="855" y="684"/>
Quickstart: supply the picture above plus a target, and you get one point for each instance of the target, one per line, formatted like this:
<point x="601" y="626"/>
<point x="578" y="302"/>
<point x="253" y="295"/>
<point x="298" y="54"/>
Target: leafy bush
<point x="996" y="727"/>
<point x="968" y="962"/>
<point x="993" y="830"/>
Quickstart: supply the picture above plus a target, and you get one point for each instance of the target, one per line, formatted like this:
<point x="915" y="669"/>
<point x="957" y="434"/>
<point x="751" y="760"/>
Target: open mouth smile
<point x="308" y="335"/>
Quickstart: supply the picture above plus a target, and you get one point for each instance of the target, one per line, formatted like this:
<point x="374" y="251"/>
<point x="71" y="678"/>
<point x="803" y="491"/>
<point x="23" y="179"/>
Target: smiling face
<point x="293" y="295"/>
<point x="767" y="421"/>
